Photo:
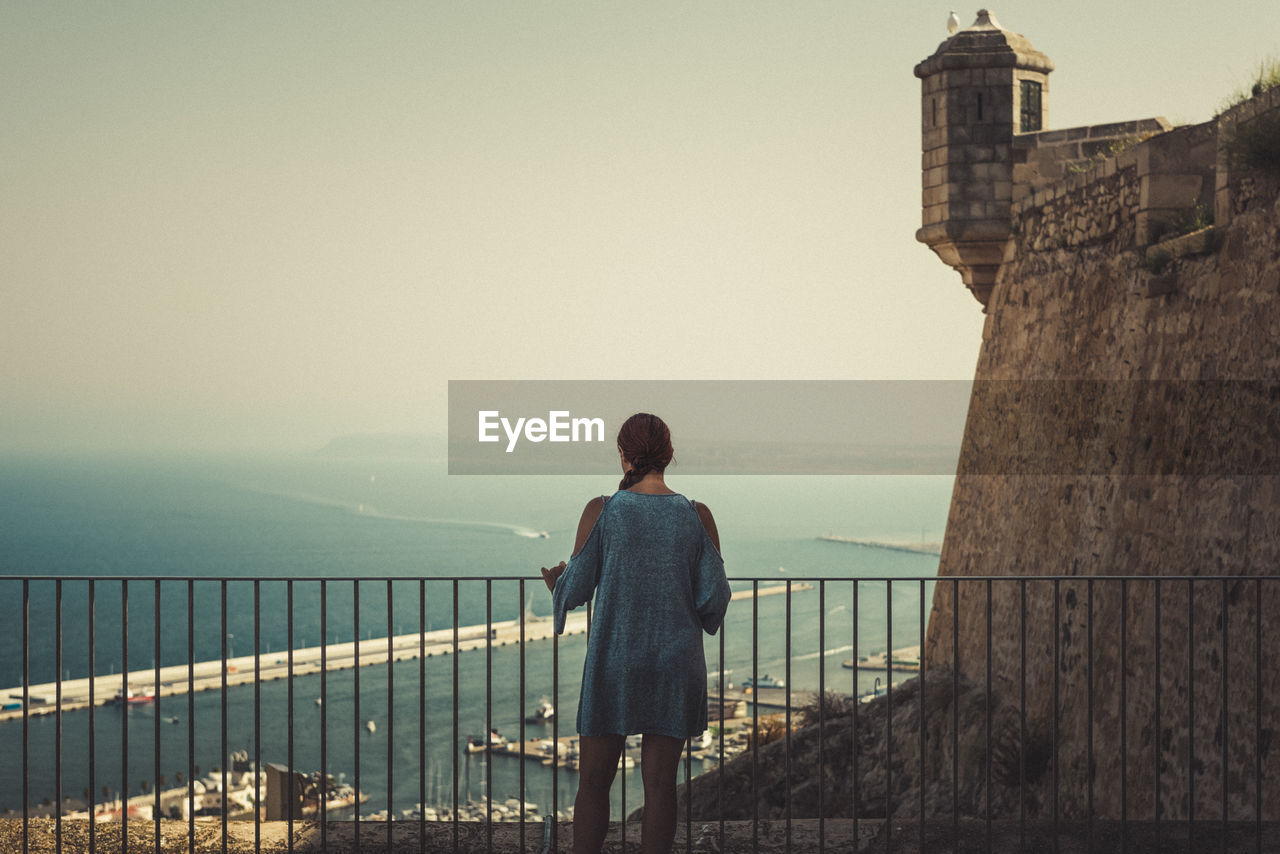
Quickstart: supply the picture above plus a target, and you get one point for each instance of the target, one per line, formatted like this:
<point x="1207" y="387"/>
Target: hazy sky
<point x="272" y="223"/>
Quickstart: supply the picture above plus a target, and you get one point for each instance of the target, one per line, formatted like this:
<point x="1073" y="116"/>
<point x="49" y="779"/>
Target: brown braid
<point x="645" y="442"/>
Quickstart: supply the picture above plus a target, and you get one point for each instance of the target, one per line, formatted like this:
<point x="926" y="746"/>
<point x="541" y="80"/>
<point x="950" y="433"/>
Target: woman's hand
<point x="550" y="575"/>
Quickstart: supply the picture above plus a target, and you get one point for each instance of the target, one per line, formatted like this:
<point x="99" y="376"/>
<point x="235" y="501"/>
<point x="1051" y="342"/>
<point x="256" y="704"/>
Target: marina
<point x="143" y="686"/>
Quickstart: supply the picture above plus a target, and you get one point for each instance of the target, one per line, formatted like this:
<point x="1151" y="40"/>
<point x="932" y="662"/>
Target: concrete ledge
<point x="905" y="836"/>
<point x="1201" y="242"/>
<point x="434" y="837"/>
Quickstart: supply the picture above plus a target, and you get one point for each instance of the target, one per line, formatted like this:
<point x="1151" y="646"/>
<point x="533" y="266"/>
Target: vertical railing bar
<point x="355" y="716"/>
<point x="523" y="610"/>
<point x="955" y="713"/>
<point x="755" y="715"/>
<point x="1022" y="714"/>
<point x="26" y="718"/>
<point x="156" y="750"/>
<point x="322" y="808"/>
<point x="454" y="743"/>
<point x="1257" y="716"/>
<point x="1159" y="747"/>
<point x="191" y="714"/>
<point x="1191" y="714"/>
<point x="391" y="661"/>
<point x="223" y="758"/>
<point x="57" y="722"/>
<point x="257" y="715"/>
<point x="719" y="770"/>
<point x="488" y="712"/>
<point x="1088" y="703"/>
<point x="124" y="716"/>
<point x="422" y="720"/>
<point x="787" y="716"/>
<point x="1225" y="716"/>
<point x="93" y="679"/>
<point x="1057" y="658"/>
<point x="986" y="710"/>
<point x="920" y="714"/>
<point x="555" y="742"/>
<point x="293" y="772"/>
<point x="888" y="717"/>
<point x="822" y="693"/>
<point x="688" y="795"/>
<point x="1124" y="716"/>
<point x="853" y="728"/>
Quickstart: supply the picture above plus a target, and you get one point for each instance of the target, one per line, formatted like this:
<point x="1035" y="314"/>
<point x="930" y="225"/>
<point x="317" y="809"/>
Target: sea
<point x="400" y="536"/>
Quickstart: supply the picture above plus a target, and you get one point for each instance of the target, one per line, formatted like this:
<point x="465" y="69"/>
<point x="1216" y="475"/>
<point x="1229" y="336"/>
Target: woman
<point x="652" y="559"/>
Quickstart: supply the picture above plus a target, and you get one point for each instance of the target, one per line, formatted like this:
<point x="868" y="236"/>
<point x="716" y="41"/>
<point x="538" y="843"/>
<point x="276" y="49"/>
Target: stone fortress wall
<point x="1135" y="304"/>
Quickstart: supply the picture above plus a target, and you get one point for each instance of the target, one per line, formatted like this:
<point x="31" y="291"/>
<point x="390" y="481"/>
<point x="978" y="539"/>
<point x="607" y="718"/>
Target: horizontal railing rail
<point x="1039" y="709"/>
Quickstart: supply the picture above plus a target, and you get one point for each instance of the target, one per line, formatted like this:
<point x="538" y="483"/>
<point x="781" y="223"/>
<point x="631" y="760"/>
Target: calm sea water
<point x="312" y="517"/>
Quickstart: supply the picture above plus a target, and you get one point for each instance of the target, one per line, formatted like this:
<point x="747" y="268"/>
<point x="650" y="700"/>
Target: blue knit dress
<point x="659" y="583"/>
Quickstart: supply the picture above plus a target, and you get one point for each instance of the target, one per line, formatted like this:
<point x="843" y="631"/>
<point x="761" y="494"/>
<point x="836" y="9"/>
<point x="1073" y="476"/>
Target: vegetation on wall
<point x="1255" y="145"/>
<point x="1267" y="77"/>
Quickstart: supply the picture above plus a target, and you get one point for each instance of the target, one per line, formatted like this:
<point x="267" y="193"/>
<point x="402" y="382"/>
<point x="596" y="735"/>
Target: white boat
<point x="370" y="725"/>
<point x="765" y="681"/>
<point x="543" y="715"/>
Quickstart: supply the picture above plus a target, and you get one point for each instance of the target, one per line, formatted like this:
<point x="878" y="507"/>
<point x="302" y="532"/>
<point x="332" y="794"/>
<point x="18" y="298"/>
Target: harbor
<point x="143" y="686"/>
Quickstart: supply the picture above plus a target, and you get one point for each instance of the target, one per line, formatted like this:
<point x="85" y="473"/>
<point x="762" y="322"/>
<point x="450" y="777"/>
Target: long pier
<point x="207" y="675"/>
<point x="913" y="548"/>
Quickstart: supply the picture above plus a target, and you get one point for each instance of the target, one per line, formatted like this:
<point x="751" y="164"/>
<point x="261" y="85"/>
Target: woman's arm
<point x="710" y="586"/>
<point x="709" y="522"/>
<point x="590" y="514"/>
<point x="586" y="522"/>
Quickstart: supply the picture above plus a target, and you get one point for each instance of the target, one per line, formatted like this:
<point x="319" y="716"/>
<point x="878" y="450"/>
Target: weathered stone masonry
<point x="1138" y="260"/>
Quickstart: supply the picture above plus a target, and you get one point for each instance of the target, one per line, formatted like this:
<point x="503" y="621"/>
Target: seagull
<point x="953" y="23"/>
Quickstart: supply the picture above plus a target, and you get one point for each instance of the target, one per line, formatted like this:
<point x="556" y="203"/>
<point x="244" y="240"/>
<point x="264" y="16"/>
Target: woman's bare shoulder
<point x="587" y="521"/>
<point x="708" y="522"/>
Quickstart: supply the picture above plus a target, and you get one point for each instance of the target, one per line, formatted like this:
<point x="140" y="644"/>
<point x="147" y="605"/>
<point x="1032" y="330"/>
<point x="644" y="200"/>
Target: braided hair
<point x="645" y="442"/>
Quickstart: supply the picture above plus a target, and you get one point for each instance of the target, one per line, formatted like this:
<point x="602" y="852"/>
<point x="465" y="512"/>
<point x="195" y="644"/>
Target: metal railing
<point x="1004" y="707"/>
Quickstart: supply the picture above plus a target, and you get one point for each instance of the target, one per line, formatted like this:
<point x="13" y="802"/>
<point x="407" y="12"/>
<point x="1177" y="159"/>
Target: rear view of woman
<point x="651" y="557"/>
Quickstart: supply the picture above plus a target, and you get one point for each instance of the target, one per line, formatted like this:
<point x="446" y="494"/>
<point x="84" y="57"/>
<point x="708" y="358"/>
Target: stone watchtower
<point x="981" y="87"/>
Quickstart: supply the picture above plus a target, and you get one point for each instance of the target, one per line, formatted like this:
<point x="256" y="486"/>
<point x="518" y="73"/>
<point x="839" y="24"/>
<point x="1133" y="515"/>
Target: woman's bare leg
<point x="659" y="759"/>
<point x="597" y="765"/>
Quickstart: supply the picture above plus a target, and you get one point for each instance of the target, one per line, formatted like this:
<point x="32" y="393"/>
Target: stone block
<point x="1157" y="286"/>
<point x="1115" y="129"/>
<point x="1002" y="190"/>
<point x="935" y="195"/>
<point x="1169" y="191"/>
<point x="991" y="134"/>
<point x="1051" y="136"/>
